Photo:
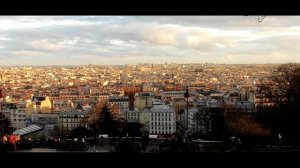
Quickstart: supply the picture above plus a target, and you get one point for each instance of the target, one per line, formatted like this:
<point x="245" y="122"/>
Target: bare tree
<point x="203" y="121"/>
<point x="246" y="126"/>
<point x="287" y="82"/>
<point x="283" y="90"/>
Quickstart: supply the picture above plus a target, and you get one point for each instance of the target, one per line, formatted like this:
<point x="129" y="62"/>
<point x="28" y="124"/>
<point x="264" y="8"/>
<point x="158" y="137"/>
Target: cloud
<point x="229" y="57"/>
<point x="48" y="45"/>
<point x="34" y="22"/>
<point x="122" y="43"/>
<point x="157" y="39"/>
<point x="160" y="34"/>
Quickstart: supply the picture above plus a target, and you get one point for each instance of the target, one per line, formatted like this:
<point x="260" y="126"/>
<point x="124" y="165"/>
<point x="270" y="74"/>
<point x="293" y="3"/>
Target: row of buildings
<point x="160" y="114"/>
<point x="153" y="95"/>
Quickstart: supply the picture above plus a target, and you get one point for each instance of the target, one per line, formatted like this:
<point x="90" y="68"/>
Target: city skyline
<point x="119" y="40"/>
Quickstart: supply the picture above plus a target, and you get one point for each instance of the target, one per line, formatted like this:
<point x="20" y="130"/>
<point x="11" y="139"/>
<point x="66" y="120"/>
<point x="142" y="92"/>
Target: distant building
<point x="100" y="96"/>
<point x="178" y="104"/>
<point x="160" y="119"/>
<point x="71" y="119"/>
<point x="121" y="101"/>
<point x="147" y="87"/>
<point x="213" y="103"/>
<point x="15" y="112"/>
<point x="172" y="94"/>
<point x="240" y="106"/>
<point x="245" y="106"/>
<point x="48" y="121"/>
<point x="58" y="105"/>
<point x="251" y="96"/>
<point x="199" y="121"/>
<point x="45" y="119"/>
<point x="38" y="104"/>
<point x="70" y="95"/>
<point x="131" y="116"/>
<point x="143" y="100"/>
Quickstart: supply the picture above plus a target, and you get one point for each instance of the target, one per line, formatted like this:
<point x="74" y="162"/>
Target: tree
<point x="203" y="122"/>
<point x="287" y="80"/>
<point x="249" y="130"/>
<point x="80" y="132"/>
<point x="217" y="122"/>
<point x="246" y="126"/>
<point x="106" y="123"/>
<point x="133" y="129"/>
<point x="7" y="126"/>
<point x="283" y="89"/>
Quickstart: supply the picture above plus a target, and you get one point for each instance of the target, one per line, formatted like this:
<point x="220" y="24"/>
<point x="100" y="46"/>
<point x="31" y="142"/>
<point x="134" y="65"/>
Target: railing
<point x="207" y="146"/>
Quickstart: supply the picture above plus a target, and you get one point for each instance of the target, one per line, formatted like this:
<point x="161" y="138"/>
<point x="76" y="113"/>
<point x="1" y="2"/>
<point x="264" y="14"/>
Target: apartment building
<point x="121" y="101"/>
<point x="71" y="119"/>
<point x="16" y="113"/>
<point x="160" y="119"/>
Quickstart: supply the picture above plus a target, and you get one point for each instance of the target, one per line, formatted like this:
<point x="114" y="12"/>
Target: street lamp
<point x="2" y="119"/>
<point x="2" y="124"/>
<point x="187" y="95"/>
<point x="126" y="126"/>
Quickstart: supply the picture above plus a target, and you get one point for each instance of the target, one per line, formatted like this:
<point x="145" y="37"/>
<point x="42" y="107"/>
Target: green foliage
<point x="106" y="123"/>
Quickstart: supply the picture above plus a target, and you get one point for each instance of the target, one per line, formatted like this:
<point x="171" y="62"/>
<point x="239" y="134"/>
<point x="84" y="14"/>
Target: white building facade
<point x="162" y="119"/>
<point x="16" y="113"/>
<point x="71" y="119"/>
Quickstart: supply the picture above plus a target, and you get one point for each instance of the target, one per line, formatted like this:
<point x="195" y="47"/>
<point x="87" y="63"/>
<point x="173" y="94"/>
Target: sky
<point x="119" y="40"/>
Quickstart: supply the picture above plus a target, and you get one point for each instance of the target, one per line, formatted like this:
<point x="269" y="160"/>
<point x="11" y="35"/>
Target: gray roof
<point x="27" y="130"/>
<point x="73" y="112"/>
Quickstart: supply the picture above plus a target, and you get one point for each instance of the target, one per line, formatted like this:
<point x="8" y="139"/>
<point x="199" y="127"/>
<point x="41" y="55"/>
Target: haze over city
<point x="119" y="40"/>
<point x="150" y="84"/>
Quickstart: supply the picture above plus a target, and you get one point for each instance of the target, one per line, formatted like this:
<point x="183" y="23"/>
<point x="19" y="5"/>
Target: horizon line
<point x="74" y="65"/>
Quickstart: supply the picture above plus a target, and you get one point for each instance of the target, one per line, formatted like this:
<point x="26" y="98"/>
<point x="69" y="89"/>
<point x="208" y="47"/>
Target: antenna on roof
<point x="261" y="18"/>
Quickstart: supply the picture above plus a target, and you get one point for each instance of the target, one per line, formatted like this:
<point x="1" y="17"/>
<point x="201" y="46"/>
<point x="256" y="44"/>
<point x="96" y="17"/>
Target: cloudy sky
<point x="103" y="40"/>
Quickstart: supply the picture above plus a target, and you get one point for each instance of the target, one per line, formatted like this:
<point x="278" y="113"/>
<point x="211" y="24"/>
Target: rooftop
<point x="27" y="130"/>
